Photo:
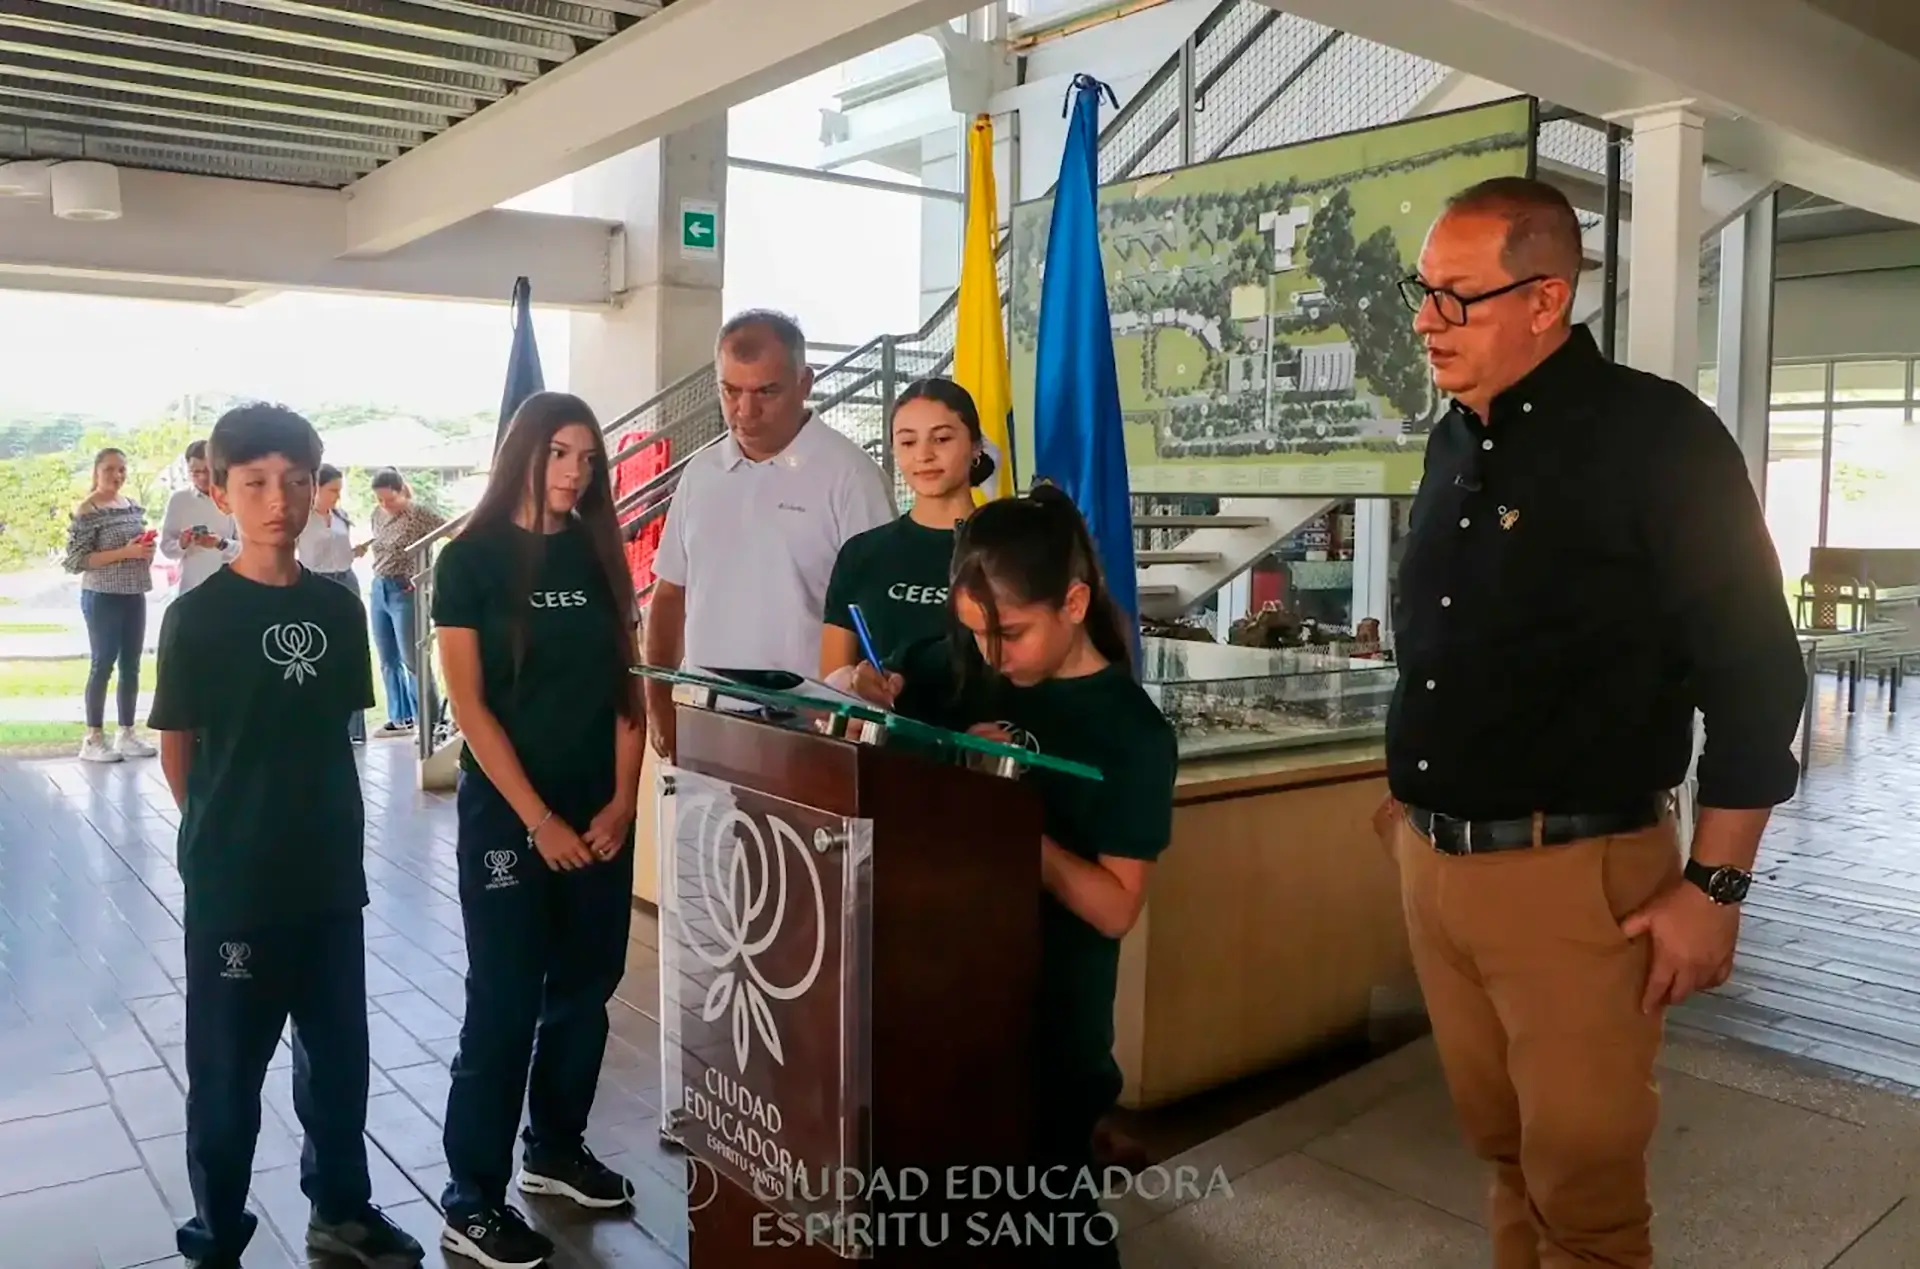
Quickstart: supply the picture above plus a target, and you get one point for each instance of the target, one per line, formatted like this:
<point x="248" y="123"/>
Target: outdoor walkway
<point x="1764" y="1158"/>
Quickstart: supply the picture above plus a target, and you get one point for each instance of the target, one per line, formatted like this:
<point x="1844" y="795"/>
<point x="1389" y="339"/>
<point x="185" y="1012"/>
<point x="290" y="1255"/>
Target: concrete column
<point x="1746" y="333"/>
<point x="1663" y="304"/>
<point x="670" y="298"/>
<point x="1372" y="545"/>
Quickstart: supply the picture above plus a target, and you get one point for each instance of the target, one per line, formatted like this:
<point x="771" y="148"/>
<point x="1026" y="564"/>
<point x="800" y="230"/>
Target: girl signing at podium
<point x="1044" y="660"/>
<point x="896" y="575"/>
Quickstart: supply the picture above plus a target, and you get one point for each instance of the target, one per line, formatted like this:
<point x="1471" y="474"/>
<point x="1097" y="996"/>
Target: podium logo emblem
<point x="235" y="957"/>
<point x="758" y="889"/>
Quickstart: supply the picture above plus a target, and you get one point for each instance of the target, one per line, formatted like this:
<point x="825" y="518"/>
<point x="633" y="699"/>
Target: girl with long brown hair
<point x="535" y="612"/>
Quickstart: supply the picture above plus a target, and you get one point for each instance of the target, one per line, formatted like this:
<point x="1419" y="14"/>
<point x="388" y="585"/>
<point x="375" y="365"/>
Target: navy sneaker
<point x="575" y="1175"/>
<point x="497" y="1239"/>
<point x="369" y="1238"/>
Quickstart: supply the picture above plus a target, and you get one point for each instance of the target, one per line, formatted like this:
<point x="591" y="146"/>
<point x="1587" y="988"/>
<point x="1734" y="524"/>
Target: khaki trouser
<point x="1534" y="995"/>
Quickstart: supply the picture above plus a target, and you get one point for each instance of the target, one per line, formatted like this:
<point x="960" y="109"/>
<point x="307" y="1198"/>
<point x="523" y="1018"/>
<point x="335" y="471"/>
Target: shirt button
<point x="1446" y="601"/>
<point x="1526" y="407"/>
<point x="1464" y="522"/>
<point x="1430" y="685"/>
<point x="1422" y="764"/>
<point x="1487" y="444"/>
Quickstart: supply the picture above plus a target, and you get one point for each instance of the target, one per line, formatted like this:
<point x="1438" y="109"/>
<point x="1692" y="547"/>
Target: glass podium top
<point x="782" y="696"/>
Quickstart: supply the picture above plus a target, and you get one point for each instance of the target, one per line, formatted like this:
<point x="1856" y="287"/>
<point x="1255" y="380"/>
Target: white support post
<point x="1746" y="333"/>
<point x="1372" y="546"/>
<point x="1663" y="308"/>
<point x="670" y="197"/>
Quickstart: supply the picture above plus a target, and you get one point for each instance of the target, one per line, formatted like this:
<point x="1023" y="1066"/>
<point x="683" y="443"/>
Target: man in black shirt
<point x="1587" y="566"/>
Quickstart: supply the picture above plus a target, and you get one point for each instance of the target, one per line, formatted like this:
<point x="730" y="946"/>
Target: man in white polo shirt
<point x="757" y="521"/>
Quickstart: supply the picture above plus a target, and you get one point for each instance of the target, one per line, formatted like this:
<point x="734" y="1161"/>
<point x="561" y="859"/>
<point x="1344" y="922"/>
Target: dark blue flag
<point x="1078" y="442"/>
<point x="523" y="360"/>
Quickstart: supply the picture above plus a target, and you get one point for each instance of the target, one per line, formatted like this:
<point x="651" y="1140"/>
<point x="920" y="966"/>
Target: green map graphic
<point x="1260" y="337"/>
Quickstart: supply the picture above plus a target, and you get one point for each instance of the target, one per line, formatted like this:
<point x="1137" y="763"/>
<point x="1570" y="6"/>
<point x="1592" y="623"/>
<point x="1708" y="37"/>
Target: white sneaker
<point x="96" y="748"/>
<point x="131" y="746"/>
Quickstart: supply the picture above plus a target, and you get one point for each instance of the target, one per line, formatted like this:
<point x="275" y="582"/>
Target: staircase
<point x="1249" y="78"/>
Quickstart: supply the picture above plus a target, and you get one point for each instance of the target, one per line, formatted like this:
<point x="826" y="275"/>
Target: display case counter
<point x="1271" y="922"/>
<point x="1224" y="699"/>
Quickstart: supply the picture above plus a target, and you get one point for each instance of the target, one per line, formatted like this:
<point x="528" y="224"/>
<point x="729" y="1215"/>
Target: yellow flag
<point x="980" y="346"/>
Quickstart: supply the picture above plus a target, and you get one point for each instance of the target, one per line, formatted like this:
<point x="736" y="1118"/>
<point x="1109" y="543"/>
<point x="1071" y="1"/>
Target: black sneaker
<point x="369" y="1238"/>
<point x="577" y="1176"/>
<point x="499" y="1239"/>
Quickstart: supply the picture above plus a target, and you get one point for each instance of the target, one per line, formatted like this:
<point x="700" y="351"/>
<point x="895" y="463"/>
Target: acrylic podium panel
<point x="765" y="921"/>
<point x="910" y="1047"/>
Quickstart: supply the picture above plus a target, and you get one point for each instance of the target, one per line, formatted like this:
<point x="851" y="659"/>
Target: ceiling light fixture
<point x="85" y="189"/>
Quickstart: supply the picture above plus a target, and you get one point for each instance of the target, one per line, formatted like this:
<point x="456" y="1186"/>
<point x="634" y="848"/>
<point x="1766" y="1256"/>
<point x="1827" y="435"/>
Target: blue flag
<point x="1077" y="438"/>
<point x="523" y="360"/>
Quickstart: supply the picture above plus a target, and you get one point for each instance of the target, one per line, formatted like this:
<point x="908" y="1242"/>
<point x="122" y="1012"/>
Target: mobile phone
<point x="199" y="530"/>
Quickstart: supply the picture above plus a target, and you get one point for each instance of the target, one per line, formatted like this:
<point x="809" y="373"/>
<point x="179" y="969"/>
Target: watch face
<point x="1728" y="885"/>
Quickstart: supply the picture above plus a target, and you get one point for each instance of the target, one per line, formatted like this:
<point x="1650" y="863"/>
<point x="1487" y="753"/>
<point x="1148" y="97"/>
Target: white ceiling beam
<point x="1788" y="91"/>
<point x="227" y="239"/>
<point x="689" y="62"/>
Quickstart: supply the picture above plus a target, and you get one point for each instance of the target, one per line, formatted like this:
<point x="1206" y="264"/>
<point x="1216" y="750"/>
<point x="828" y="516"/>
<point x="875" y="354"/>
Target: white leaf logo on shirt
<point x="295" y="645"/>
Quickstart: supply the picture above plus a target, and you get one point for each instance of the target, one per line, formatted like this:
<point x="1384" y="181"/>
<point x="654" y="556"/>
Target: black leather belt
<point x="1453" y="836"/>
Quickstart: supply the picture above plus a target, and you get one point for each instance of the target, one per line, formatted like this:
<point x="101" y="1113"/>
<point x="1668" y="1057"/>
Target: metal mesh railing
<point x="1243" y="88"/>
<point x="1355" y="83"/>
<point x="1572" y="143"/>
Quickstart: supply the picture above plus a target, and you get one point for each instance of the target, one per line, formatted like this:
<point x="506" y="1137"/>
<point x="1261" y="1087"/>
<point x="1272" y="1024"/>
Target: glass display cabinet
<point x="1228" y="700"/>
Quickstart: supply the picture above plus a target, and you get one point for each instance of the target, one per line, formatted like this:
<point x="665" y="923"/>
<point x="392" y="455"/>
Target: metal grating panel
<point x="1226" y="34"/>
<point x="1355" y="84"/>
<point x="1156" y="108"/>
<point x="1580" y="145"/>
<point x="310" y="92"/>
<point x="1249" y="81"/>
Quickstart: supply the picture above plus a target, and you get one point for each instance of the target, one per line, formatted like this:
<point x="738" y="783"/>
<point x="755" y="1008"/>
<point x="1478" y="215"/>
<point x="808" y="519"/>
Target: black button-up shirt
<point x="1584" y="570"/>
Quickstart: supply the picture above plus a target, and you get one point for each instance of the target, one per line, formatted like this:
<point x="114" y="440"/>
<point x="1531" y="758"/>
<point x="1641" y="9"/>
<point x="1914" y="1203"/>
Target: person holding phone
<point x="195" y="531"/>
<point x="896" y="575"/>
<point x="111" y="548"/>
<point x="398" y="523"/>
<point x="1046" y="662"/>
<point x="535" y="612"/>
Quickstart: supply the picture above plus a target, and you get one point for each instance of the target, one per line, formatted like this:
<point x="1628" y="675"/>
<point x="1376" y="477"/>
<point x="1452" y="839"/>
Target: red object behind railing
<point x="629" y="476"/>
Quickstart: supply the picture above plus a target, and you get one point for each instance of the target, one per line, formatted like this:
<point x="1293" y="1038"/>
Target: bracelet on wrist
<point x="535" y="830"/>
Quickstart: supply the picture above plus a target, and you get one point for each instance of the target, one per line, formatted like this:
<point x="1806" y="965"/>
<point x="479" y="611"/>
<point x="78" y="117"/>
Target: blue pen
<point x="866" y="637"/>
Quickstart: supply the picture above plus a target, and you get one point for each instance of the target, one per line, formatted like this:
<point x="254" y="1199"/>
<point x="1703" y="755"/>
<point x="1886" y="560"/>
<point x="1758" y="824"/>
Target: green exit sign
<point x="699" y="229"/>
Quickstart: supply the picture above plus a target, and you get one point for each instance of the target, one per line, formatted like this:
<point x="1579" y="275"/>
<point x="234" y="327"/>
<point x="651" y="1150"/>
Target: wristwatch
<point x="1723" y="884"/>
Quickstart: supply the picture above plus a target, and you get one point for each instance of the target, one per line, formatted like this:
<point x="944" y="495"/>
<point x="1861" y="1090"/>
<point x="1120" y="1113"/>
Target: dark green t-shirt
<point x="1107" y="721"/>
<point x="559" y="703"/>
<point x="897" y="573"/>
<point x="266" y="678"/>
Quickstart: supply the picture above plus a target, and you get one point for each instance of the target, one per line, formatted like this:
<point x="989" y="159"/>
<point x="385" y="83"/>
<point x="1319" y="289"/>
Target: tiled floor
<point x="91" y="1035"/>
<point x="91" y="1031"/>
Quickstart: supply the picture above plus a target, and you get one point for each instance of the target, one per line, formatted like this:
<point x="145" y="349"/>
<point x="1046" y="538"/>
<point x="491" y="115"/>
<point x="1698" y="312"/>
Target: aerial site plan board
<point x="1261" y="341"/>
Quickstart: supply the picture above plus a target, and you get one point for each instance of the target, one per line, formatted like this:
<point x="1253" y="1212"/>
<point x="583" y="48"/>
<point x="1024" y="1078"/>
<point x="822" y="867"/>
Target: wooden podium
<point x="849" y="951"/>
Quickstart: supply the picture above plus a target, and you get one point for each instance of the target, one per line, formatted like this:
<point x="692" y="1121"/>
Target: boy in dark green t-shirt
<point x="260" y="668"/>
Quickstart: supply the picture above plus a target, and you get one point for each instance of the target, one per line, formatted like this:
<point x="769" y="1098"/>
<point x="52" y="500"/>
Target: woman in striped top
<point x="110" y="546"/>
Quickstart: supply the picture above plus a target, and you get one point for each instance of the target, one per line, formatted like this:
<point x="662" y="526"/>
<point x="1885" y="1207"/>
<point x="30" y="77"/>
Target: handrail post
<point x="425" y="685"/>
<point x="889" y="393"/>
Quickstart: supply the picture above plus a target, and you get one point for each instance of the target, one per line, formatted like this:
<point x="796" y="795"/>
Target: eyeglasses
<point x="1450" y="305"/>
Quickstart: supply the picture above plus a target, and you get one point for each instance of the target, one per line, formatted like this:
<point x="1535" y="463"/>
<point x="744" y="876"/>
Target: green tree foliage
<point x="37" y="493"/>
<point x="156" y="462"/>
<point x="1361" y="282"/>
